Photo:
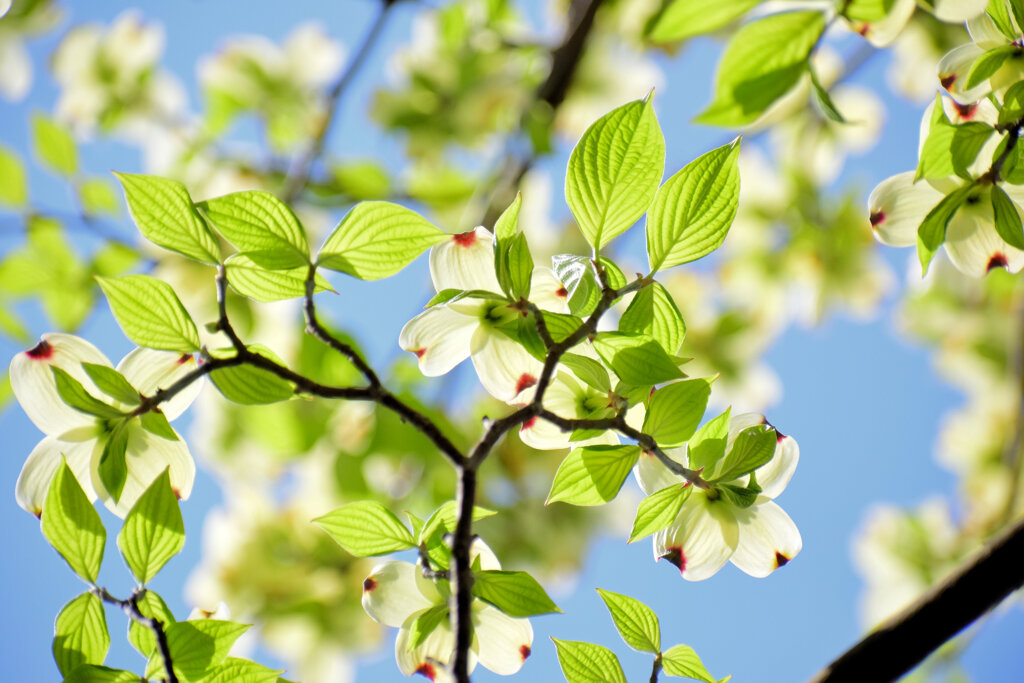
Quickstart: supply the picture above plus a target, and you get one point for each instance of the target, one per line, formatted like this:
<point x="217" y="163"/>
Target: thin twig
<point x="131" y="608"/>
<point x="297" y="180"/>
<point x="314" y="328"/>
<point x="902" y="642"/>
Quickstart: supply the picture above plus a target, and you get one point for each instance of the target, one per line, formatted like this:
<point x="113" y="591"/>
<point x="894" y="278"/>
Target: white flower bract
<point x="80" y="437"/>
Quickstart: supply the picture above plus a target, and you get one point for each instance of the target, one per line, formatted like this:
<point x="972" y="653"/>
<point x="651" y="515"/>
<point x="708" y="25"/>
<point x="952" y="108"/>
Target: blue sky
<point x="864" y="405"/>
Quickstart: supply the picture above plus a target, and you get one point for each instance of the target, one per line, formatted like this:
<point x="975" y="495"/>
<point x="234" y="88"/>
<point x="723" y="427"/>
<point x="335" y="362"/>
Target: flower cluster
<point x="86" y="408"/>
<point x="713" y="527"/>
<point x="399" y="594"/>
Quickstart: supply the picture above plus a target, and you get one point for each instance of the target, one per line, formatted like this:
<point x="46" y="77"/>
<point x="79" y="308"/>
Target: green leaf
<point x="1007" y="218"/>
<point x="614" y="171"/>
<point x="113" y="259"/>
<point x="520" y="267"/>
<point x="951" y="148"/>
<point x="142" y="637"/>
<point x="588" y="370"/>
<point x="866" y="10"/>
<point x="74" y="394"/>
<point x="425" y="623"/>
<point x="362" y="179"/>
<point x="638" y="360"/>
<point x="236" y="670"/>
<point x="675" y="410"/>
<point x="444" y="518"/>
<point x="113" y="467"/>
<point x="14" y="188"/>
<point x="636" y="622"/>
<point x="80" y="634"/>
<point x="54" y="146"/>
<point x="681" y="660"/>
<point x="248" y="384"/>
<point x="72" y="526"/>
<point x="762" y="62"/>
<point x="658" y="510"/>
<point x="682" y="19"/>
<point x="197" y="647"/>
<point x="752" y="448"/>
<point x="1013" y="105"/>
<point x="262" y="226"/>
<point x="997" y="11"/>
<point x="378" y="239"/>
<point x="366" y="528"/>
<point x="588" y="663"/>
<point x="89" y="673"/>
<point x="163" y="211"/>
<point x="150" y="313"/>
<point x="693" y="210"/>
<point x="561" y="326"/>
<point x="988" y="63"/>
<point x="707" y="446"/>
<point x="740" y="496"/>
<point x="153" y="531"/>
<point x="155" y="422"/>
<point x="932" y="231"/>
<point x="823" y="99"/>
<point x="517" y="594"/>
<point x="1017" y="7"/>
<point x="653" y="312"/>
<point x="582" y="288"/>
<point x="97" y="197"/>
<point x="112" y="383"/>
<point x="256" y="282"/>
<point x="507" y="225"/>
<point x="592" y="475"/>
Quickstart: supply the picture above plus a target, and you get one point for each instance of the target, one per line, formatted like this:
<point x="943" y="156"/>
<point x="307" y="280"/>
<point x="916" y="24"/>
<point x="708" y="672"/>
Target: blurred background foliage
<point x="481" y="99"/>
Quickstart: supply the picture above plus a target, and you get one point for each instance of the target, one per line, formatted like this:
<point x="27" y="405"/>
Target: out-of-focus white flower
<point x="912" y="70"/>
<point x="112" y="75"/>
<point x="900" y="554"/>
<point x="80" y="437"/>
<point x="711" y="530"/>
<point x="15" y="67"/>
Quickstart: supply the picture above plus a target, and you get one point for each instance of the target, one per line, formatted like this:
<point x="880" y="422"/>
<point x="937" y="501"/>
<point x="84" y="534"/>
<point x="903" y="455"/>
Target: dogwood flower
<point x="880" y="32"/>
<point x="711" y="529"/>
<point x="955" y="65"/>
<point x="397" y="594"/>
<point x="80" y="437"/>
<point x="446" y="334"/>
<point x="899" y="204"/>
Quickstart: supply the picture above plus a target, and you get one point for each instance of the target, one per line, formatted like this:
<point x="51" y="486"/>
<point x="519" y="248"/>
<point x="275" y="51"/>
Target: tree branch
<point x="314" y="328"/>
<point x="655" y="669"/>
<point x="902" y="642"/>
<point x="565" y="60"/>
<point x="131" y="608"/>
<point x="299" y="176"/>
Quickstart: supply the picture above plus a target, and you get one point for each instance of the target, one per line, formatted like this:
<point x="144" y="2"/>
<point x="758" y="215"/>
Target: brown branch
<point x="131" y="608"/>
<point x="314" y="328"/>
<point x="902" y="642"/>
<point x="565" y="60"/>
<point x="462" y="575"/>
<point x="297" y="180"/>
